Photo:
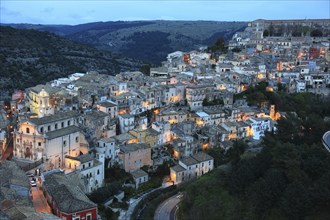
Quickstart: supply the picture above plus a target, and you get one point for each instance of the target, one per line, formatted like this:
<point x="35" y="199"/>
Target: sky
<point x="85" y="11"/>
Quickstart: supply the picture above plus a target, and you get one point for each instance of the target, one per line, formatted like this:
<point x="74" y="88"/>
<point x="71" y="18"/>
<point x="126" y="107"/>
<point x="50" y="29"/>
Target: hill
<point x="30" y="57"/>
<point x="149" y="41"/>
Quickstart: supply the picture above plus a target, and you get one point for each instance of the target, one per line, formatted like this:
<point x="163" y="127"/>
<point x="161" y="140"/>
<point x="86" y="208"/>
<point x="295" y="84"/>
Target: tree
<point x="316" y="33"/>
<point x="219" y="45"/>
<point x="236" y="50"/>
<point x="93" y="97"/>
<point x="271" y="30"/>
<point x="145" y="69"/>
<point x="218" y="155"/>
<point x="266" y="33"/>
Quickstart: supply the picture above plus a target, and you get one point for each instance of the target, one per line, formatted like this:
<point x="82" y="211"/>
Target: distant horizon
<point x="165" y="20"/>
<point x="74" y="12"/>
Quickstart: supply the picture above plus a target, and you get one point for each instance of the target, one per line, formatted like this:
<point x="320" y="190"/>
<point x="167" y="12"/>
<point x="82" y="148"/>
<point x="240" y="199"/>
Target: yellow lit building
<point x="149" y="136"/>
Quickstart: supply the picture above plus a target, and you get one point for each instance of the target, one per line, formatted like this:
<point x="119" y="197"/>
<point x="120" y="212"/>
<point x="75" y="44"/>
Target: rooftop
<point x="139" y="173"/>
<point x="189" y="161"/>
<point x="107" y="104"/>
<point x="107" y="140"/>
<point x="53" y="118"/>
<point x="94" y="115"/>
<point x="68" y="197"/>
<point x="62" y="132"/>
<point x="134" y="147"/>
<point x="201" y="157"/>
<point x="124" y="137"/>
<point x="178" y="168"/>
<point x="10" y="173"/>
<point x="82" y="158"/>
<point x="49" y="89"/>
<point x="202" y="114"/>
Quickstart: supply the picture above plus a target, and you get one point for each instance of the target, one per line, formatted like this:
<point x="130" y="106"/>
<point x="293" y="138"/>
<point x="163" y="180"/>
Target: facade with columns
<point x="39" y="101"/>
<point x="45" y="100"/>
<point x="50" y="138"/>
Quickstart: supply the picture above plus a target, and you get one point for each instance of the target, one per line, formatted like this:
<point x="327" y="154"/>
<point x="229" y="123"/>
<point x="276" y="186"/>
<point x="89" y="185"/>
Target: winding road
<point x="326" y="140"/>
<point x="167" y="210"/>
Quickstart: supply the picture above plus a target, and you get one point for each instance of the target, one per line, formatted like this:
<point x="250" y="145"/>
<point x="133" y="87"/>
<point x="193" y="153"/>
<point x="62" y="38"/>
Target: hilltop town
<point x="72" y="129"/>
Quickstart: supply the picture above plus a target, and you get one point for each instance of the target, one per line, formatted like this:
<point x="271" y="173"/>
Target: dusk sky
<point x="78" y="12"/>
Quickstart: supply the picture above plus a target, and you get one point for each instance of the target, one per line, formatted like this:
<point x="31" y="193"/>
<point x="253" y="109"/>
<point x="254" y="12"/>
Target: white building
<point x="300" y="86"/>
<point x="107" y="146"/>
<point x="126" y="122"/>
<point x="204" y="118"/>
<point x="164" y="129"/>
<point x="50" y="138"/>
<point x="192" y="167"/>
<point x="89" y="169"/>
<point x="139" y="177"/>
<point x="109" y="108"/>
<point x="259" y="126"/>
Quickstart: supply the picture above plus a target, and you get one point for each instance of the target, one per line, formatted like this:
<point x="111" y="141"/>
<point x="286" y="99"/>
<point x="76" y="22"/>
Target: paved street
<point x="134" y="202"/>
<point x="166" y="210"/>
<point x="39" y="201"/>
<point x="326" y="140"/>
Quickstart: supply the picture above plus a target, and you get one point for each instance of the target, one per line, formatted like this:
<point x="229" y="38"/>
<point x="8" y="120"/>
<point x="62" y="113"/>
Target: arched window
<point x="28" y="130"/>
